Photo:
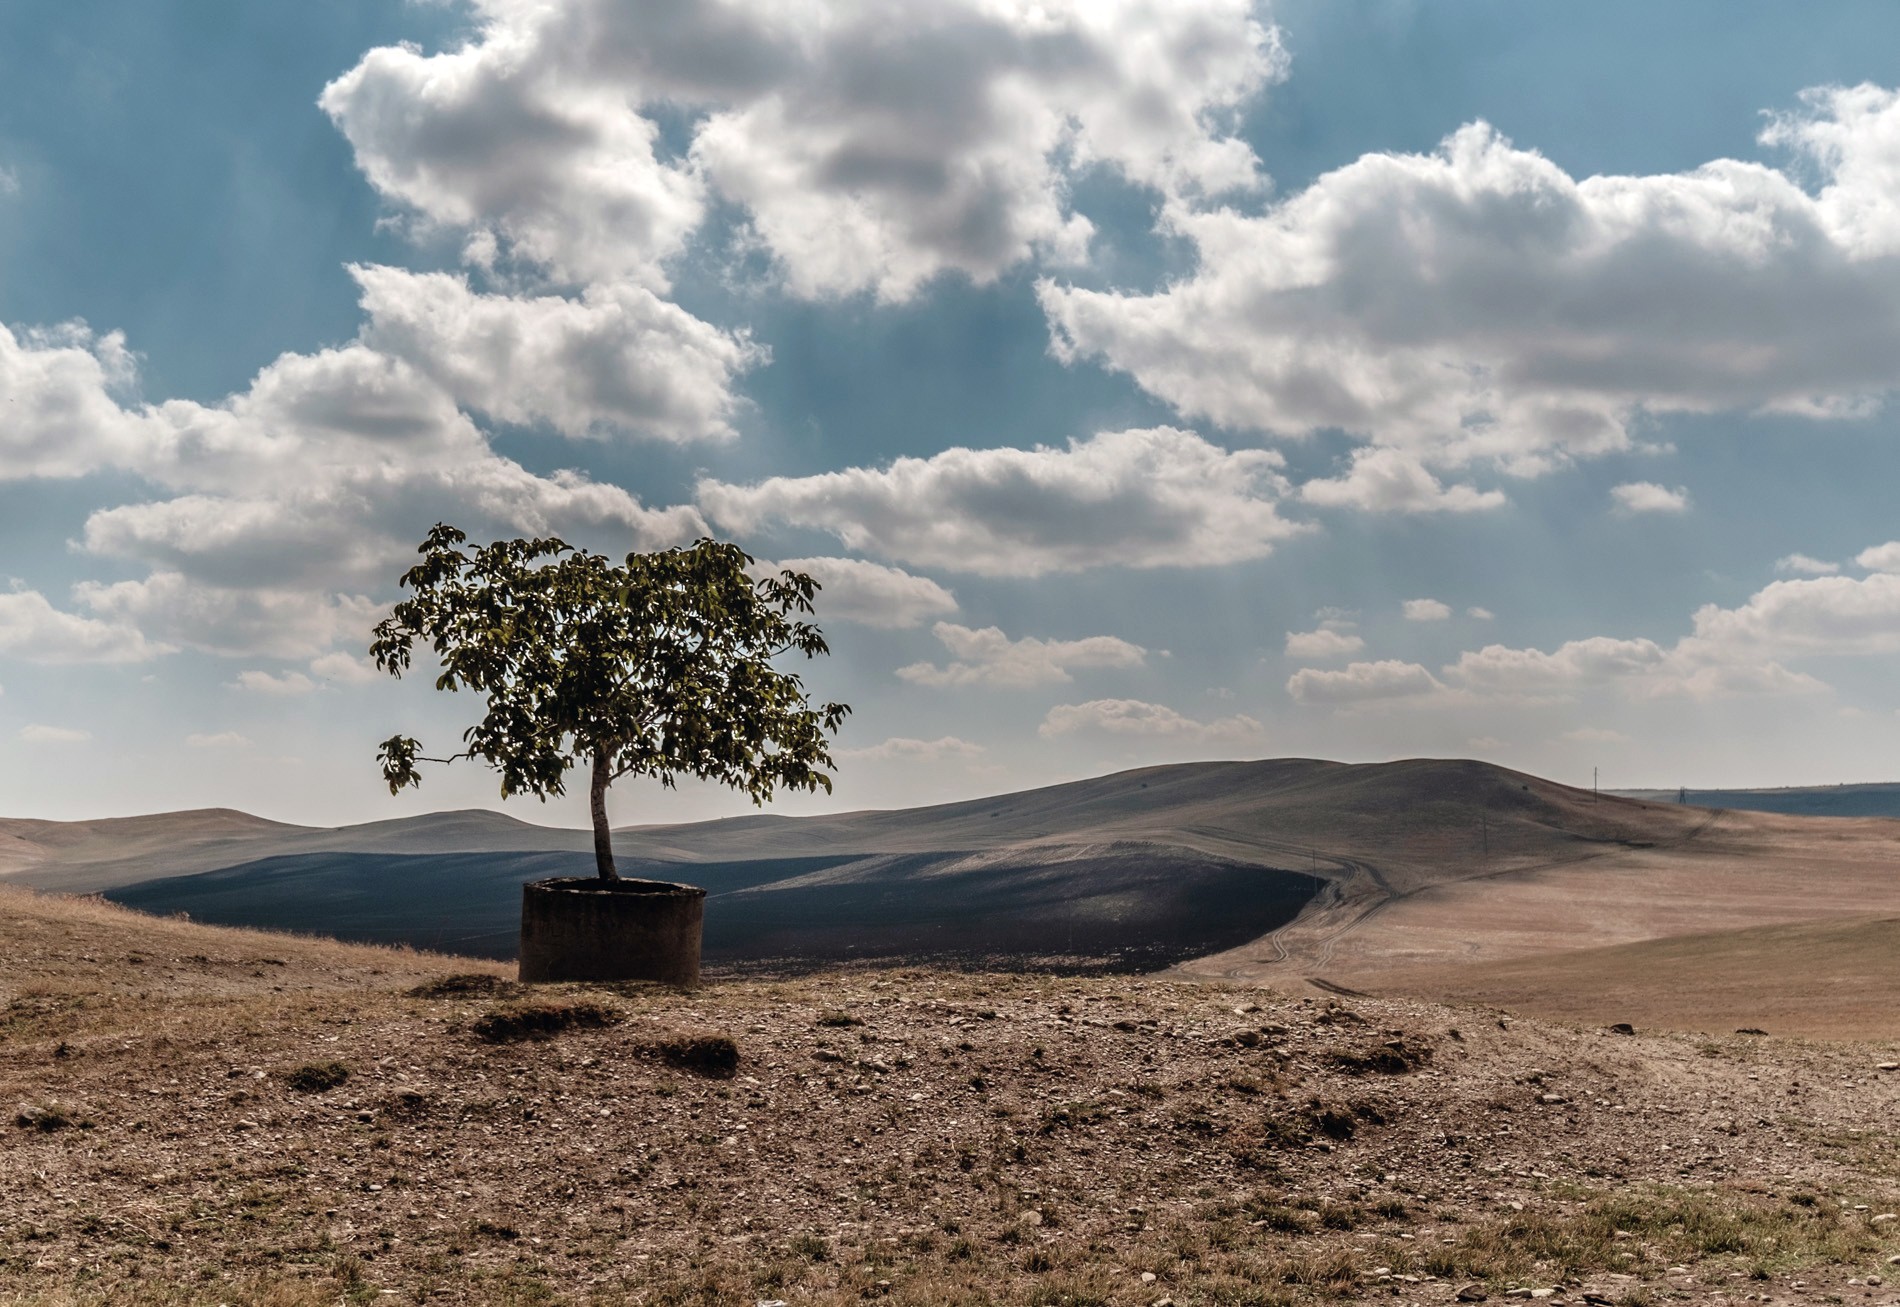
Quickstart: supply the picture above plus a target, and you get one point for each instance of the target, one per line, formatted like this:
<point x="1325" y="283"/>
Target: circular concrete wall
<point x="586" y="928"/>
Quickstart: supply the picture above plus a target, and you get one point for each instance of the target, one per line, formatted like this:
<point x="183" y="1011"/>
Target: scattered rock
<point x="1473" y="1292"/>
<point x="1621" y="1028"/>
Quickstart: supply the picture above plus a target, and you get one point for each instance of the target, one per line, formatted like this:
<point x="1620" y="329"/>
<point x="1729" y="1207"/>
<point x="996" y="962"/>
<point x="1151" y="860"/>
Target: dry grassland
<point x="196" y="1116"/>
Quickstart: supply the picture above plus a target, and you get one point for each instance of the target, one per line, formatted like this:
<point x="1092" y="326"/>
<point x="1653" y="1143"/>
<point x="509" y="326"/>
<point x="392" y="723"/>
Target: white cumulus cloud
<point x="1149" y="498"/>
<point x="277" y="509"/>
<point x="871" y="594"/>
<point x="1803" y="565"/>
<point x="1134" y="717"/>
<point x="1426" y="610"/>
<point x="283" y="685"/>
<point x="900" y="748"/>
<point x="56" y="389"/>
<point x="1879" y="558"/>
<point x="36" y="733"/>
<point x="340" y="668"/>
<point x="1480" y="303"/>
<point x="617" y="359"/>
<point x="870" y="147"/>
<point x="1321" y="644"/>
<point x="219" y="740"/>
<point x="1648" y="497"/>
<point x="1359" y="683"/>
<point x="34" y="631"/>
<point x="1395" y="481"/>
<point x="989" y="657"/>
<point x="1823" y="615"/>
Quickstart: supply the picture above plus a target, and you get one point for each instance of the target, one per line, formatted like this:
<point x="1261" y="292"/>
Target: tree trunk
<point x="597" y="803"/>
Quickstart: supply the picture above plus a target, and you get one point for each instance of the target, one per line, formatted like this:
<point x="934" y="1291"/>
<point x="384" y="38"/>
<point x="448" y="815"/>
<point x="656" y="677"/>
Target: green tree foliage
<point x="662" y="667"/>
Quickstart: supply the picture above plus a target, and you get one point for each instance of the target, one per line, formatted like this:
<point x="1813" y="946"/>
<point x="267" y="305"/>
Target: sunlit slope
<point x="1827" y="979"/>
<point x="1731" y="871"/>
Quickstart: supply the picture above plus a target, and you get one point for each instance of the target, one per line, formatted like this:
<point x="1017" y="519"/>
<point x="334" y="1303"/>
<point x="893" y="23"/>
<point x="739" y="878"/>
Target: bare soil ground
<point x="1829" y="979"/>
<point x="207" y="1116"/>
<point x="1729" y="871"/>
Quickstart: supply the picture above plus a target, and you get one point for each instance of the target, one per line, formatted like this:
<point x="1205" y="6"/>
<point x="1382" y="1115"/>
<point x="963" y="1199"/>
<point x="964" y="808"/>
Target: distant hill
<point x="1877" y="799"/>
<point x="1282" y="869"/>
<point x="1137" y="870"/>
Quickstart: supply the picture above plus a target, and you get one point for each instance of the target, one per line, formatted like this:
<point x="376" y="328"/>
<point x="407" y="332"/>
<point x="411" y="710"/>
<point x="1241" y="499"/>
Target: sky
<point x="1143" y="382"/>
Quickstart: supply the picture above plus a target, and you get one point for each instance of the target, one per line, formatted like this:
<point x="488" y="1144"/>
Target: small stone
<point x="1888" y="1066"/>
<point x="1543" y="1293"/>
<point x="1883" y="1217"/>
<point x="1032" y="1217"/>
<point x="1473" y="1292"/>
<point x="1550" y="1098"/>
<point x="1147" y="1277"/>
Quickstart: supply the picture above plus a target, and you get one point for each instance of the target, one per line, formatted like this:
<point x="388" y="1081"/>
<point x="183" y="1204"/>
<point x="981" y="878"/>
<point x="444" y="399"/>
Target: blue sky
<point x="1342" y="380"/>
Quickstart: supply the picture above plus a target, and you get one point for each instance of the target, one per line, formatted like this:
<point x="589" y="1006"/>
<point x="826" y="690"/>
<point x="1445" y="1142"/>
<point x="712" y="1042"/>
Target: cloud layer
<point x="870" y="147"/>
<point x="1154" y="498"/>
<point x="988" y="657"/>
<point x="1479" y="303"/>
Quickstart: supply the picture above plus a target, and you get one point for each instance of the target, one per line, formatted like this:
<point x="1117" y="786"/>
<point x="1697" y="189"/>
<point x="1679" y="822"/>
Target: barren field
<point x="1820" y="979"/>
<point x="1554" y="924"/>
<point x="210" y="1116"/>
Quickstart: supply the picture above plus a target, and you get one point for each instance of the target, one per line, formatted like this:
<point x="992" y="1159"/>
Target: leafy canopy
<point x="662" y="667"/>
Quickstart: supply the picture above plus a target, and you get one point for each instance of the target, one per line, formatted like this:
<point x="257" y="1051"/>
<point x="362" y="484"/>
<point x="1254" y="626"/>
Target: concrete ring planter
<point x="586" y="928"/>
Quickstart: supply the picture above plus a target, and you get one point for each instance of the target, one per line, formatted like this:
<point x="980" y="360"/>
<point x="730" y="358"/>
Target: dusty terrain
<point x="1828" y="979"/>
<point x="207" y="1116"/>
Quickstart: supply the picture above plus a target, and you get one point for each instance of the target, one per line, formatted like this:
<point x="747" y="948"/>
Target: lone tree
<point x="659" y="668"/>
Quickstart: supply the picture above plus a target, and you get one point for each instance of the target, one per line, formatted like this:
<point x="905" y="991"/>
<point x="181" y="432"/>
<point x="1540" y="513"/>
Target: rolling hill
<point x="1285" y="870"/>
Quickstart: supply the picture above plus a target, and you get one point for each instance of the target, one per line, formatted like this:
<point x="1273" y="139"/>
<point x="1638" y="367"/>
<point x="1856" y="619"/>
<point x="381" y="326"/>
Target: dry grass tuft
<point x="527" y="1021"/>
<point x="467" y="985"/>
<point x="711" y="1055"/>
<point x="316" y="1077"/>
